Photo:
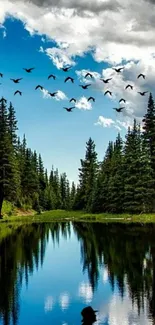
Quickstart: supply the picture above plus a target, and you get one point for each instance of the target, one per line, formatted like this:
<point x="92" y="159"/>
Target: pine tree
<point x="63" y="190"/>
<point x="116" y="181"/>
<point x="87" y="176"/>
<point x="72" y="196"/>
<point x="149" y="129"/>
<point x="132" y="165"/>
<point x="12" y="125"/>
<point x="5" y="152"/>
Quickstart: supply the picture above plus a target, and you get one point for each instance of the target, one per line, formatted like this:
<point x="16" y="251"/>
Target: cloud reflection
<point x="85" y="291"/>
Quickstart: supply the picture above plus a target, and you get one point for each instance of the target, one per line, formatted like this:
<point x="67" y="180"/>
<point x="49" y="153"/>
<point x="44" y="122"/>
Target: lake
<point x="50" y="272"/>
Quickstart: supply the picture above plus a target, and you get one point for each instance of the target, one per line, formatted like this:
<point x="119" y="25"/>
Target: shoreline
<point x="62" y="215"/>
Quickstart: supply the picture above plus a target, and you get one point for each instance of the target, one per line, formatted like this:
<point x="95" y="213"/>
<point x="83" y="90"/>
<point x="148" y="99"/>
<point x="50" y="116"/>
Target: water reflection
<point x="117" y="258"/>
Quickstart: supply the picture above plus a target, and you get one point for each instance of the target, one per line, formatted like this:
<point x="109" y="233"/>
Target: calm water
<point x="50" y="272"/>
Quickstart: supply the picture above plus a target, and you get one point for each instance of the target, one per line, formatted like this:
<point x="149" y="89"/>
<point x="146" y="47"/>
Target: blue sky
<point x="59" y="136"/>
<point x="115" y="40"/>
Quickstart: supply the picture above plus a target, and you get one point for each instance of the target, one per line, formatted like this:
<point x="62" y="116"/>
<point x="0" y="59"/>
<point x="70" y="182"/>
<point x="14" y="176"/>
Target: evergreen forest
<point x="124" y="182"/>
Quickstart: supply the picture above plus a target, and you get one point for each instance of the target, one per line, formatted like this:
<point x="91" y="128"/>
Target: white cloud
<point x="83" y="103"/>
<point x="59" y="96"/>
<point x="114" y="30"/>
<point x="105" y="122"/>
<point x="111" y="30"/>
<point x="59" y="57"/>
<point x="85" y="291"/>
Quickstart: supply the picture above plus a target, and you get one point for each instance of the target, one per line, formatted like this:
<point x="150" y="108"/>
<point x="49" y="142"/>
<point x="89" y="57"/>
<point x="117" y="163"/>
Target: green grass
<point x="61" y="215"/>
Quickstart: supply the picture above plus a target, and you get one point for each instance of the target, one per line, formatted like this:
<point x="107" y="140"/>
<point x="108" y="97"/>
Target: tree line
<point x="24" y="181"/>
<point x="123" y="182"/>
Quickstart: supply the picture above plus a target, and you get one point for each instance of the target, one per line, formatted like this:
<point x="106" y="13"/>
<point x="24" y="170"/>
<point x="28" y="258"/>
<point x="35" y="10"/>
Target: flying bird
<point x="106" y="80"/>
<point x="69" y="78"/>
<point x="1" y="75"/>
<point x="118" y="109"/>
<point x="28" y="70"/>
<point x="93" y="99"/>
<point x="41" y="87"/>
<point x="69" y="109"/>
<point x="88" y="74"/>
<point x="122" y="100"/>
<point x="16" y="81"/>
<point x="52" y="94"/>
<point x="72" y="100"/>
<point x="85" y="86"/>
<point x="108" y="91"/>
<point x="141" y="75"/>
<point x="18" y="92"/>
<point x="51" y="76"/>
<point x="66" y="69"/>
<point x="142" y="93"/>
<point x="129" y="86"/>
<point x="118" y="70"/>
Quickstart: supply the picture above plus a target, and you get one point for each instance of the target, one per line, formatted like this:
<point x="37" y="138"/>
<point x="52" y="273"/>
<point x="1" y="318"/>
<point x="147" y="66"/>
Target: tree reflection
<point x="127" y="252"/>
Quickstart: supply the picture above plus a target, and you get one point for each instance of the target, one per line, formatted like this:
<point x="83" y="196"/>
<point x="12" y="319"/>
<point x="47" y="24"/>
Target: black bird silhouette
<point x="122" y="100"/>
<point x="108" y="91"/>
<point x="18" y="92"/>
<point x="118" y="109"/>
<point x="69" y="78"/>
<point x="129" y="86"/>
<point x="106" y="80"/>
<point x="51" y="76"/>
<point x="52" y="94"/>
<point x="28" y="70"/>
<point x="16" y="81"/>
<point x="66" y="69"/>
<point x="142" y="93"/>
<point x="88" y="74"/>
<point x="72" y="100"/>
<point x="69" y="109"/>
<point x="41" y="87"/>
<point x="85" y="86"/>
<point x="93" y="99"/>
<point x="118" y="70"/>
<point x="89" y="315"/>
<point x="141" y="75"/>
<point x="1" y="75"/>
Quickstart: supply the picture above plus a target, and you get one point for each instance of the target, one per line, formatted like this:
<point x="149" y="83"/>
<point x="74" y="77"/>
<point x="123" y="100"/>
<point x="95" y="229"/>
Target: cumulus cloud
<point x="117" y="124"/>
<point x="59" y="57"/>
<point x="126" y="33"/>
<point x="80" y="6"/>
<point x="113" y="31"/>
<point x="59" y="96"/>
<point x="107" y="122"/>
<point x="83" y="103"/>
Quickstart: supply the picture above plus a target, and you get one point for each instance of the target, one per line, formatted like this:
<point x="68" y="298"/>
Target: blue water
<point x="58" y="289"/>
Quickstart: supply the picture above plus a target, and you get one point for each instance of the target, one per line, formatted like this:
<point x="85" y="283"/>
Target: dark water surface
<point x="50" y="272"/>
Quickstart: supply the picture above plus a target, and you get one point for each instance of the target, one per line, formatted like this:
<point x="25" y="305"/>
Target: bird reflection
<point x="89" y="316"/>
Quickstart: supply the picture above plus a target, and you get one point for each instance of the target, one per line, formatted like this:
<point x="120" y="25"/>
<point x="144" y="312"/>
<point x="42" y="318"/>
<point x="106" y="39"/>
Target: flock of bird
<point x="88" y="74"/>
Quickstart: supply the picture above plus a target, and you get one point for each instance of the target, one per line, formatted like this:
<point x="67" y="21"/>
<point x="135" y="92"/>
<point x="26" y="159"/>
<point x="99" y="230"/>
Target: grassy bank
<point x="61" y="215"/>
